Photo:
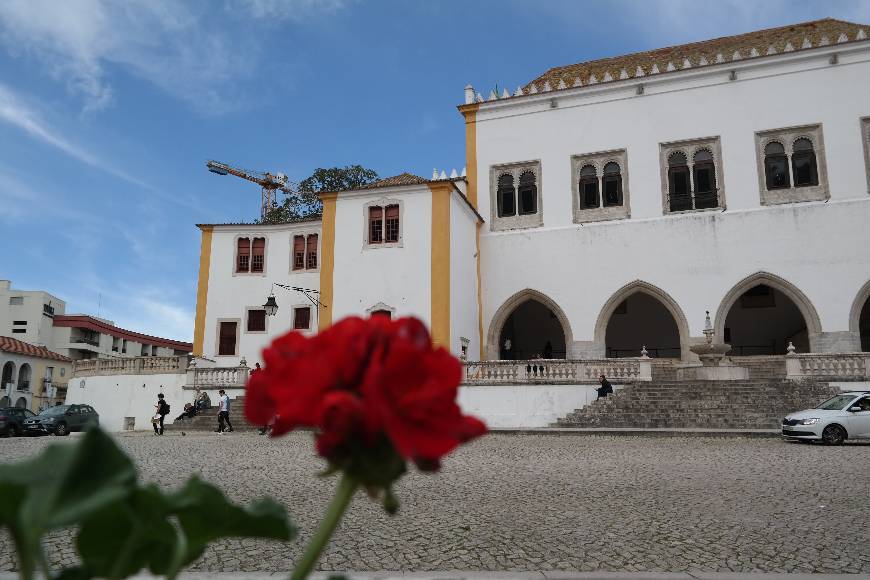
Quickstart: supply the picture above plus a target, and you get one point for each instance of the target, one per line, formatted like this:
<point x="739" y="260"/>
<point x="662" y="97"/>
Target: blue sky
<point x="110" y="108"/>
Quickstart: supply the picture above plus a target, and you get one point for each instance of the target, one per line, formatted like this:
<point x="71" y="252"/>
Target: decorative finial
<point x="243" y="362"/>
<point x="791" y="349"/>
<point x="469" y="94"/>
<point x="643" y="352"/>
<point x="708" y="328"/>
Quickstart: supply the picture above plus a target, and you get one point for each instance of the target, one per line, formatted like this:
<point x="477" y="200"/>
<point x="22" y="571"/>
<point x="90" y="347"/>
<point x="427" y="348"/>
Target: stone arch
<point x="25" y="375"/>
<point x="21" y="403"/>
<point x="507" y="308"/>
<point x="792" y="292"/>
<point x="642" y="287"/>
<point x="855" y="314"/>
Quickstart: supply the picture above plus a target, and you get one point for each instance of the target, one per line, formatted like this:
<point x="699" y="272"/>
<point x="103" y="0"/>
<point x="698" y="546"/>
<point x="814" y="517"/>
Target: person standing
<point x="161" y="409"/>
<point x="605" y="389"/>
<point x="223" y="412"/>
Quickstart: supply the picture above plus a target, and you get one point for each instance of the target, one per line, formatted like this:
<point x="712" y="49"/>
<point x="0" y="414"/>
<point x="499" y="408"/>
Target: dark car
<point x="61" y="420"/>
<point x="12" y="420"/>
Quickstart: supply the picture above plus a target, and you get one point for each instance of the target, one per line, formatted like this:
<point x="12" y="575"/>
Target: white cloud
<point x="186" y="49"/>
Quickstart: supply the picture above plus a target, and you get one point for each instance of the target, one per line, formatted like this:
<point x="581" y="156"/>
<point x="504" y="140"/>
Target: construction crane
<point x="270" y="183"/>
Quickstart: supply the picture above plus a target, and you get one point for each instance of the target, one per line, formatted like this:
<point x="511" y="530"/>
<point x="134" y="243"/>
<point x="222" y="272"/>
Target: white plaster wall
<point x="463" y="278"/>
<point x="524" y="406"/>
<point x="39" y="327"/>
<point x="399" y="277"/>
<point x="696" y="258"/>
<point x="230" y="294"/>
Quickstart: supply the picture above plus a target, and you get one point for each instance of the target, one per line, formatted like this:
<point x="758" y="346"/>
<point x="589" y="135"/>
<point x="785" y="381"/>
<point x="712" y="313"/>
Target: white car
<point x="846" y="416"/>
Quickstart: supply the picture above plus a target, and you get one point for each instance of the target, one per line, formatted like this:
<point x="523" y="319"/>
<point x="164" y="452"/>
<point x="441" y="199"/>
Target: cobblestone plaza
<point x="539" y="502"/>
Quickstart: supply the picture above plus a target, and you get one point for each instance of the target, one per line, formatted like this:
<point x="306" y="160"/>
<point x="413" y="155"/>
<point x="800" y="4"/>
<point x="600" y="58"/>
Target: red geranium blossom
<point x="360" y="382"/>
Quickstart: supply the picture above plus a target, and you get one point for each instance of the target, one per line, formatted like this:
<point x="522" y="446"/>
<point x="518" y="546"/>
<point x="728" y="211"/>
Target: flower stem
<point x="346" y="488"/>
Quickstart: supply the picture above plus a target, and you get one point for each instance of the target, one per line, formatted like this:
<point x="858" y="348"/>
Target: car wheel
<point x="61" y="430"/>
<point x="833" y="435"/>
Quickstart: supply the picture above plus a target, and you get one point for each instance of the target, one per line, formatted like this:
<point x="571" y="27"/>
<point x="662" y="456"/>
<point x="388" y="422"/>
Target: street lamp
<point x="271" y="305"/>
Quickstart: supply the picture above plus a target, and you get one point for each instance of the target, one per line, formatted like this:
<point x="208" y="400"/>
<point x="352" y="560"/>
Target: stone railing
<point x="140" y="365"/>
<point x="218" y="377"/>
<point x="556" y="371"/>
<point x="846" y="366"/>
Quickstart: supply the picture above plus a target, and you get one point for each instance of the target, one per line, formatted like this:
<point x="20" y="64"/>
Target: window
<point x="515" y="195"/>
<point x="865" y="137"/>
<point x="384" y="313"/>
<point x="302" y="318"/>
<point x="691" y="174"/>
<point x="601" y="186"/>
<point x="256" y="320"/>
<point x="376" y="225"/>
<point x="791" y="165"/>
<point x="776" y="166"/>
<point x="19" y="330"/>
<point x="19" y="323"/>
<point x="588" y="187"/>
<point x="16" y="300"/>
<point x="298" y="252"/>
<point x="384" y="223"/>
<point x="311" y="252"/>
<point x="227" y="332"/>
<point x="803" y="163"/>
<point x="251" y="255"/>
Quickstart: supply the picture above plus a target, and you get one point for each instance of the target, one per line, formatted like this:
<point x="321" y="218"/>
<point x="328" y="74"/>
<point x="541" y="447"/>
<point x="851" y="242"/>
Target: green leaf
<point x="206" y="515"/>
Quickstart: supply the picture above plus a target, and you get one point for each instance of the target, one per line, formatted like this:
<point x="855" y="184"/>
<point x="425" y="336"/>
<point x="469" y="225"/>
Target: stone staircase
<point x="752" y="404"/>
<point x="207" y="420"/>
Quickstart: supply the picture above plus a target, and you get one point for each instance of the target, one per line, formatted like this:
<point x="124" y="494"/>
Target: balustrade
<point x="219" y="377"/>
<point x="832" y="366"/>
<point x="555" y="371"/>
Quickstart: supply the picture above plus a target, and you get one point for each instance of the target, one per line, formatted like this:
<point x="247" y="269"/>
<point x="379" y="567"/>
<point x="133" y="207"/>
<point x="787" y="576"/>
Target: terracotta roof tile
<point x="396" y="180"/>
<point x="760" y="43"/>
<point x="15" y="346"/>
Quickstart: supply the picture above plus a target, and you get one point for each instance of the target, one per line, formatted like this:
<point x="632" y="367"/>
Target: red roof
<point x="91" y="323"/>
<point x="14" y="346"/>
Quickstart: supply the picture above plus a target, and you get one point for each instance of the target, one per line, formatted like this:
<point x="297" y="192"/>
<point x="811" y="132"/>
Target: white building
<point x="607" y="207"/>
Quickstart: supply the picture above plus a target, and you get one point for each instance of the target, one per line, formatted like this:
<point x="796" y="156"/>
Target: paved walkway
<point x="541" y="502"/>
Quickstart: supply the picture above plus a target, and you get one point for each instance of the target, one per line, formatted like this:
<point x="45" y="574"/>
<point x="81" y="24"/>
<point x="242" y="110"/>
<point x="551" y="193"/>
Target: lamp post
<point x="271" y="305"/>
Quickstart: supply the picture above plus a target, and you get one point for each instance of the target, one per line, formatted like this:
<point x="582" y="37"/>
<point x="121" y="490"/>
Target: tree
<point x="304" y="202"/>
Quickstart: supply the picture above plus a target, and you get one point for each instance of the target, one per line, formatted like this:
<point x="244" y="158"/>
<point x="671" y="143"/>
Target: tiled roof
<point x="310" y="218"/>
<point x="97" y="325"/>
<point x="790" y="38"/>
<point x="15" y="346"/>
<point x="396" y="180"/>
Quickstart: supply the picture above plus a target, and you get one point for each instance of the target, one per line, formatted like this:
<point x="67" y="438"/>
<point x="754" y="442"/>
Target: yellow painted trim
<point x="470" y="113"/>
<point x="327" y="261"/>
<point x="202" y="290"/>
<point x="440" y="313"/>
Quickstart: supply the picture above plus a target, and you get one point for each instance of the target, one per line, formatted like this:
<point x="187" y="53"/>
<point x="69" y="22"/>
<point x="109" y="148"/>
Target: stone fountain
<point x="714" y="365"/>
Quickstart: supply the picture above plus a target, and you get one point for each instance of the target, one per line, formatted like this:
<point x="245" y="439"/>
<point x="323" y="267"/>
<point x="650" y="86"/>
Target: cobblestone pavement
<point x="541" y="502"/>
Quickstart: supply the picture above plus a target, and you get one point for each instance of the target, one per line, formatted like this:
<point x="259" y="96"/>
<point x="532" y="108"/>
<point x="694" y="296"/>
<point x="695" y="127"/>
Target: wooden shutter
<point x="258" y="254"/>
<point x="302" y="318"/>
<point x="256" y="320"/>
<point x="311" y="252"/>
<point x="227" y="341"/>
<point x="243" y="262"/>
<point x="298" y="252"/>
<point x="391" y="223"/>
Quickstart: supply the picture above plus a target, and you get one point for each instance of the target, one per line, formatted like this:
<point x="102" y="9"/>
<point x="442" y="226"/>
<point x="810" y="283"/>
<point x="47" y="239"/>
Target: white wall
<point x="399" y="277"/>
<point x="39" y="327"/>
<point x="115" y="397"/>
<point x="229" y="293"/>
<point x="524" y="406"/>
<point x="696" y="258"/>
<point x="463" y="278"/>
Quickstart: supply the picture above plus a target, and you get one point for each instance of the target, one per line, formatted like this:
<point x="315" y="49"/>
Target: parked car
<point x="12" y="420"/>
<point x="61" y="420"/>
<point x="846" y="416"/>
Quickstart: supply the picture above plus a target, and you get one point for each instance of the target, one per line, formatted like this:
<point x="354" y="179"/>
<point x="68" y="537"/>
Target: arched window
<point x="588" y="187"/>
<point x="243" y="260"/>
<point x="612" y="185"/>
<point x="705" y="180"/>
<point x="528" y="193"/>
<point x="776" y="166"/>
<point x="679" y="189"/>
<point x="506" y="205"/>
<point x="803" y="163"/>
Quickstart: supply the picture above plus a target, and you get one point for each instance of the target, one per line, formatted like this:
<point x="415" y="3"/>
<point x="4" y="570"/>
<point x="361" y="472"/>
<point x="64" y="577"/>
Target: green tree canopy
<point x="304" y="203"/>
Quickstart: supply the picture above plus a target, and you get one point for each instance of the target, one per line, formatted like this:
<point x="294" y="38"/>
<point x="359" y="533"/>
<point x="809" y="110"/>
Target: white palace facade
<point x="606" y="207"/>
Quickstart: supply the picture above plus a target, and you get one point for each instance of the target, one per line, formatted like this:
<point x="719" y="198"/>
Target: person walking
<point x="161" y="409"/>
<point x="223" y="412"/>
<point x="605" y="389"/>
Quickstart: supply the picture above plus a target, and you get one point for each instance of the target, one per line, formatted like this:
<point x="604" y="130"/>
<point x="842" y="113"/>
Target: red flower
<point x="361" y="382"/>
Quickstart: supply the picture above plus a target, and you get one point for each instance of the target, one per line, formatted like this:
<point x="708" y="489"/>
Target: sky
<point x="109" y="110"/>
